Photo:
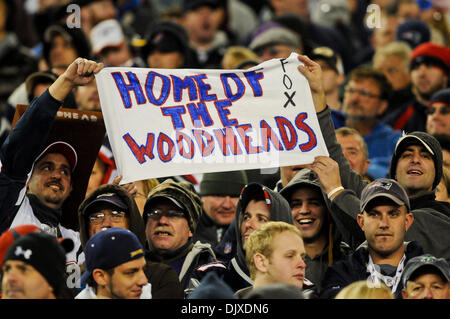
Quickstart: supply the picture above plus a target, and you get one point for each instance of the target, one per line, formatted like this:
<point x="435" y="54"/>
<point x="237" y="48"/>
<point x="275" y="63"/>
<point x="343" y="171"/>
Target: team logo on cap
<point x="157" y="38"/>
<point x="428" y="259"/>
<point x="385" y="185"/>
<point x="26" y="253"/>
<point x="267" y="198"/>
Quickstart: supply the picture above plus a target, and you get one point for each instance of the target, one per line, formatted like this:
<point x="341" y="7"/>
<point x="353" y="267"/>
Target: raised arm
<point x="313" y="73"/>
<point x="80" y="72"/>
<point x="30" y="133"/>
<point x="345" y="205"/>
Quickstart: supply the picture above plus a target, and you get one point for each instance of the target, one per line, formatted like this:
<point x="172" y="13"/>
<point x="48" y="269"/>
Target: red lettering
<point x="312" y="141"/>
<point x="140" y="151"/>
<point x="283" y="124"/>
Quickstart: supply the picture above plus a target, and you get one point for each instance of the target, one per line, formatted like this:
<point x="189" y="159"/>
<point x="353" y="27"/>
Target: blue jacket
<point x="380" y="143"/>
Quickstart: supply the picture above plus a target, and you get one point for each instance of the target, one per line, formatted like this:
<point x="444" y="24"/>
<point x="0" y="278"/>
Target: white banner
<point x="167" y="122"/>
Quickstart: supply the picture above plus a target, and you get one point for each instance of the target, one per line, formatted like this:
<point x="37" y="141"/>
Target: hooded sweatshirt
<point x="336" y="249"/>
<point x="136" y="225"/>
<point x="163" y="279"/>
<point x="235" y="272"/>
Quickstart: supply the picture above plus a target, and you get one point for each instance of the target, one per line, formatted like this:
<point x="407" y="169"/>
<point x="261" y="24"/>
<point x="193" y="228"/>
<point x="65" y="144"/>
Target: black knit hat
<point x="45" y="253"/>
<point x="419" y="138"/>
<point x="187" y="5"/>
<point x="223" y="183"/>
<point x="167" y="36"/>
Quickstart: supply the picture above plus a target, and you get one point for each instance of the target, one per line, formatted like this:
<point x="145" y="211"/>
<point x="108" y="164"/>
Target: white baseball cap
<point x="105" y="34"/>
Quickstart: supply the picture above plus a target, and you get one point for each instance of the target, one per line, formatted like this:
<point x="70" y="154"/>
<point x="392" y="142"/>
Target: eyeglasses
<point x="99" y="218"/>
<point x="363" y="93"/>
<point x="156" y="214"/>
<point x="443" y="111"/>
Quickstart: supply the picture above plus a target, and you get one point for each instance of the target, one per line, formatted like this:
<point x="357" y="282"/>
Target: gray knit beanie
<point x="223" y="183"/>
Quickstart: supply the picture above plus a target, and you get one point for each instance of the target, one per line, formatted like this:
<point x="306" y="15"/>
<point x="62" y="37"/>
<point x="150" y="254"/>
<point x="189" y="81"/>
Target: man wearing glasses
<point x="171" y="215"/>
<point x="106" y="207"/>
<point x="111" y="206"/>
<point x="365" y="100"/>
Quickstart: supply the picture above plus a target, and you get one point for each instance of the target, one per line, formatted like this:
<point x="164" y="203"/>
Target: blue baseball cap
<point x="110" y="248"/>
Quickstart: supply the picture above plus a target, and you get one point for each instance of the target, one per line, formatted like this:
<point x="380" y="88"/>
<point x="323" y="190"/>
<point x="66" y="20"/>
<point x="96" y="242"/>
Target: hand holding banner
<point x="166" y="122"/>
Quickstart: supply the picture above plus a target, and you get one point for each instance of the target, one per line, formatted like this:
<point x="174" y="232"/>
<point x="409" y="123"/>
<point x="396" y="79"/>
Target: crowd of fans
<point x="369" y="221"/>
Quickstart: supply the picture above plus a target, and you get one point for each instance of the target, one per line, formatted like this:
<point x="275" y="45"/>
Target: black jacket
<point x="164" y="280"/>
<point x="184" y="261"/>
<point x="208" y="231"/>
<point x="354" y="268"/>
<point x="409" y="118"/>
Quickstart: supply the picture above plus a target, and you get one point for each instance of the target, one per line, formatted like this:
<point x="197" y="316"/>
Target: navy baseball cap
<point x="112" y="199"/>
<point x="110" y="248"/>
